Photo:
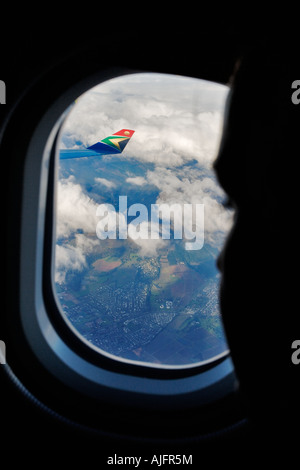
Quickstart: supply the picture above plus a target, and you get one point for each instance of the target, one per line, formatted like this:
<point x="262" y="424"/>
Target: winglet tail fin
<point x="117" y="142"/>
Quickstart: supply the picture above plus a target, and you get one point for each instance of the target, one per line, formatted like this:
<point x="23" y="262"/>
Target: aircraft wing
<point x="112" y="144"/>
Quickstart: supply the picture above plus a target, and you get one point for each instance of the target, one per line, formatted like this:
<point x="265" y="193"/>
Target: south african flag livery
<point x="112" y="144"/>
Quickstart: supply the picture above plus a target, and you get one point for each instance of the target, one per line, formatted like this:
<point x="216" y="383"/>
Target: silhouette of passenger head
<point x="257" y="166"/>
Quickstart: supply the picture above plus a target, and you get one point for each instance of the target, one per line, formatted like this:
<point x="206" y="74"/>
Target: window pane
<point x="140" y="220"/>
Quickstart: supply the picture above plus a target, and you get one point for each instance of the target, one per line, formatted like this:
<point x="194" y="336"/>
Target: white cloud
<point x="137" y="180"/>
<point x="75" y="210"/>
<point x="148" y="248"/>
<point x="105" y="182"/>
<point x="67" y="258"/>
<point x="141" y="236"/>
<point x="72" y="256"/>
<point x="176" y="187"/>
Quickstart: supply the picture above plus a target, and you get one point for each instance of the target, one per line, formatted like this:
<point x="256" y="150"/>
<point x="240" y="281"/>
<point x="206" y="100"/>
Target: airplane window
<point x="140" y="220"/>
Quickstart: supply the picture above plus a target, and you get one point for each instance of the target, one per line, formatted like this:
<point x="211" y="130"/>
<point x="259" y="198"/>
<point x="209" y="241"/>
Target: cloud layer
<point x="177" y="120"/>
